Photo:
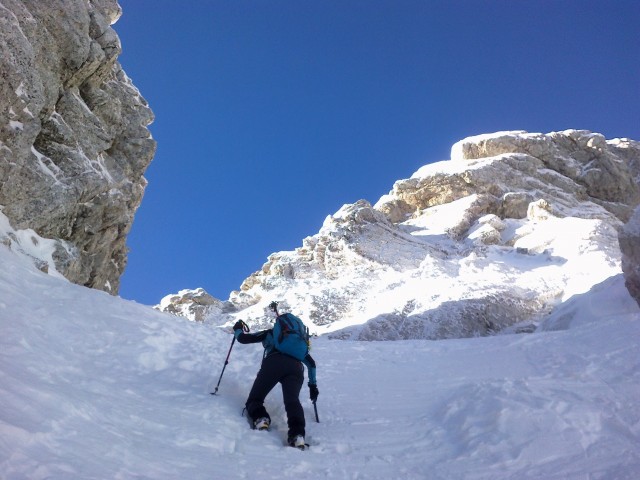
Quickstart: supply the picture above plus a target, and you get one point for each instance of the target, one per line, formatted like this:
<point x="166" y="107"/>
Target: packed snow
<point x="96" y="387"/>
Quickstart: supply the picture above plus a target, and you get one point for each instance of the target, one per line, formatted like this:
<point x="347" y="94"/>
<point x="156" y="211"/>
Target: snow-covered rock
<point x="196" y="305"/>
<point x="31" y="248"/>
<point x="491" y="240"/>
<point x="598" y="167"/>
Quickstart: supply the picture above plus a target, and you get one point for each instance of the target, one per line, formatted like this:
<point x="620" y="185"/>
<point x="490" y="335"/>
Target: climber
<point x="283" y="359"/>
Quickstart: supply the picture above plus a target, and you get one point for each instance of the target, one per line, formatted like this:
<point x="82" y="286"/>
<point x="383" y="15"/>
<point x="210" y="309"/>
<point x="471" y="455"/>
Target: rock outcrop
<point x="630" y="247"/>
<point x="509" y="169"/>
<point x="74" y="142"/>
<point x="196" y="305"/>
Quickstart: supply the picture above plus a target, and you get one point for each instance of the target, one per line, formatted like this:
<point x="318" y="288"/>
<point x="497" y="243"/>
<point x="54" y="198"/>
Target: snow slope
<point x="95" y="387"/>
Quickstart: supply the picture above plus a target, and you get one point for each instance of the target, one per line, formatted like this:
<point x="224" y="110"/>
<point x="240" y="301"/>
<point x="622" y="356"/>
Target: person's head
<point x="276" y="308"/>
<point x="273" y="306"/>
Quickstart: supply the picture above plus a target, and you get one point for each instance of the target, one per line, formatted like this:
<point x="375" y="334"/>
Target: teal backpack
<point x="291" y="336"/>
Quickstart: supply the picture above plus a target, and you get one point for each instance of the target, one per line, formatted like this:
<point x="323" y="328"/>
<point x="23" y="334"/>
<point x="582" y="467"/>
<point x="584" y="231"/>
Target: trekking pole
<point x="315" y="409"/>
<point x="245" y="328"/>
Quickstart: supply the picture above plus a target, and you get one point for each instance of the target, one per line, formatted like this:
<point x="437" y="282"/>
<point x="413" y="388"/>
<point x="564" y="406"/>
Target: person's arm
<point x="311" y="367"/>
<point x="250" y="337"/>
<point x="245" y="337"/>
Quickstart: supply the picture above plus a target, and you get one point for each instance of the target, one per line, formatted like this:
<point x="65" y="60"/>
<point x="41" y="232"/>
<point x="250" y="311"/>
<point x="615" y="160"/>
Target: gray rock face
<point x="630" y="247"/>
<point x="74" y="142"/>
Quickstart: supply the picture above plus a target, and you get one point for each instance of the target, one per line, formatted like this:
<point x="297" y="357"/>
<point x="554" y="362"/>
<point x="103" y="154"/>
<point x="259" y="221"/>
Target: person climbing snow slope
<point x="285" y="352"/>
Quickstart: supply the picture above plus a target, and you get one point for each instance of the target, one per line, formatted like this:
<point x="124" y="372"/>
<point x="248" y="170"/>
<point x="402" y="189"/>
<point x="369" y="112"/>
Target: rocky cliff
<point x="74" y="142"/>
<point x="630" y="247"/>
<point x="492" y="240"/>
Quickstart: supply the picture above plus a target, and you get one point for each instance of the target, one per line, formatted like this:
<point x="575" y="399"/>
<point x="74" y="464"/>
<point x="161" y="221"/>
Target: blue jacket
<point x="266" y="337"/>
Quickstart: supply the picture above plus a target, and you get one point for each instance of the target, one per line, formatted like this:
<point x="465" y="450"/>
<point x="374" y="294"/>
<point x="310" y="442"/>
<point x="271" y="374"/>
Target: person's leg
<point x="291" y="384"/>
<point x="265" y="381"/>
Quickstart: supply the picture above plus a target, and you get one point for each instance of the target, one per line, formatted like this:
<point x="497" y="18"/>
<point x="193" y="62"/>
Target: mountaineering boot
<point x="261" y="424"/>
<point x="297" y="441"/>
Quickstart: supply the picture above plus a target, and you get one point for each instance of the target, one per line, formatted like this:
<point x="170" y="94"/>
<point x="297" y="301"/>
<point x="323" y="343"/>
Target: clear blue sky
<point x="270" y="115"/>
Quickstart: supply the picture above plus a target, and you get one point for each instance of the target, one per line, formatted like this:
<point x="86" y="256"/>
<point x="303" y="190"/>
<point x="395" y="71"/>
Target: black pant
<point x="289" y="372"/>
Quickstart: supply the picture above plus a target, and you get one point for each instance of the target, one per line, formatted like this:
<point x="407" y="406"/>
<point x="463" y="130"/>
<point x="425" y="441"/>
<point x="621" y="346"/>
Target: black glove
<point x="313" y="392"/>
<point x="239" y="325"/>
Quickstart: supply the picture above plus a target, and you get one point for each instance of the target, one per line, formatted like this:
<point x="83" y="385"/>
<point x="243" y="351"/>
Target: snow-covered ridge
<point x="492" y="240"/>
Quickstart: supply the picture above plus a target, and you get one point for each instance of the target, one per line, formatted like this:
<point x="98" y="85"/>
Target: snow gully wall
<point x="74" y="142"/>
